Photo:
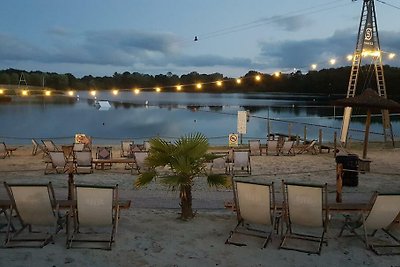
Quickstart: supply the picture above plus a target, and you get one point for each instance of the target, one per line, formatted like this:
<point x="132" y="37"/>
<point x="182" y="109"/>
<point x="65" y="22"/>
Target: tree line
<point x="333" y="81"/>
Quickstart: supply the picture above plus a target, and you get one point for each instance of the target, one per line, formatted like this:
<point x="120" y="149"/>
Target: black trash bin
<point x="350" y="162"/>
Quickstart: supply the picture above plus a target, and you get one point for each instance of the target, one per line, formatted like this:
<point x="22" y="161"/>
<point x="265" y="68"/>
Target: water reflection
<point x="172" y="115"/>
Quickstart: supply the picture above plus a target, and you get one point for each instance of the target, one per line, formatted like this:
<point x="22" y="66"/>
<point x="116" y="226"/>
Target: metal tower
<point x="367" y="46"/>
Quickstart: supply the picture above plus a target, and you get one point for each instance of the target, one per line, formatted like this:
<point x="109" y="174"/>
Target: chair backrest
<point x="104" y="152"/>
<point x="34" y="204"/>
<point x="241" y="159"/>
<point x="272" y="146"/>
<point x="3" y="148"/>
<point x="254" y="202"/>
<point x="384" y="211"/>
<point x="287" y="146"/>
<point x="146" y="145"/>
<point x="35" y="143"/>
<point x="125" y="147"/>
<point x="95" y="204"/>
<point x="219" y="163"/>
<point x="140" y="157"/>
<point x="57" y="158"/>
<point x="83" y="158"/>
<point x="49" y="145"/>
<point x="306" y="204"/>
<point x="255" y="147"/>
<point x="78" y="147"/>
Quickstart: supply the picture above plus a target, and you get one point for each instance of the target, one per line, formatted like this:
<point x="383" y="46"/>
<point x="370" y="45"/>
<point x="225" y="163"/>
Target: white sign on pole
<point x="242" y="122"/>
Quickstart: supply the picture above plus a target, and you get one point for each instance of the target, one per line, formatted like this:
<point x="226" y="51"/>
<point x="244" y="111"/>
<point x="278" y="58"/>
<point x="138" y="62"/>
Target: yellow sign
<point x="233" y="140"/>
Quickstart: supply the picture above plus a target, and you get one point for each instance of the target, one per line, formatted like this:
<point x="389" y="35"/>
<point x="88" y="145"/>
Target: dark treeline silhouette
<point x="333" y="81"/>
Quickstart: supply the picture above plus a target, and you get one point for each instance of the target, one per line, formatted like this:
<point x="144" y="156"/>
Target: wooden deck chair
<point x="77" y="147"/>
<point x="57" y="164"/>
<point x="50" y="146"/>
<point x="306" y="214"/>
<point x="219" y="165"/>
<point x="95" y="217"/>
<point x="37" y="211"/>
<point x="308" y="148"/>
<point x="288" y="148"/>
<point x="140" y="160"/>
<point x="255" y="209"/>
<point x="146" y="145"/>
<point x="103" y="152"/>
<point x="273" y="147"/>
<point x="83" y="162"/>
<point x="126" y="148"/>
<point x="241" y="163"/>
<point x="37" y="148"/>
<point x="385" y="209"/>
<point x="3" y="150"/>
<point x="255" y="147"/>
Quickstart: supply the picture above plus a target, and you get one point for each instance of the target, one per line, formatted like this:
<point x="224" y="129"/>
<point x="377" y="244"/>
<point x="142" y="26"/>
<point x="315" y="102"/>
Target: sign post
<point x="233" y="140"/>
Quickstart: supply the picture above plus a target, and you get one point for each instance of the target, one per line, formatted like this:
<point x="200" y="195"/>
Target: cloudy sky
<point x="100" y="37"/>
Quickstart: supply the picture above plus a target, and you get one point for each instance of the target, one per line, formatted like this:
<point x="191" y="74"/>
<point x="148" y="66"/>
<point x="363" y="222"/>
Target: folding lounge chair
<point x="308" y="148"/>
<point x="3" y="150"/>
<point x="37" y="147"/>
<point x="288" y="148"/>
<point x="83" y="162"/>
<point x="241" y="162"/>
<point x="95" y="217"/>
<point x="255" y="209"/>
<point x="57" y="164"/>
<point x="306" y="214"/>
<point x="219" y="165"/>
<point x="37" y="212"/>
<point x="273" y="147"/>
<point x="50" y="146"/>
<point x="140" y="160"/>
<point x="126" y="148"/>
<point x="146" y="145"/>
<point x="255" y="147"/>
<point x="78" y="147"/>
<point x="385" y="209"/>
<point x="104" y="152"/>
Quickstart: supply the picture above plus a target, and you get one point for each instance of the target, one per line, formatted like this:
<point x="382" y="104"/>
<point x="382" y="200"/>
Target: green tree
<point x="186" y="158"/>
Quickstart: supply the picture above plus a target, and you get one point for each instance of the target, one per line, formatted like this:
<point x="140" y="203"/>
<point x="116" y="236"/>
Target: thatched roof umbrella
<point x="369" y="99"/>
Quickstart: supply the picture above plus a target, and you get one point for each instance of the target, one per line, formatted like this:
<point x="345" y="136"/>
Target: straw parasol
<point x="370" y="100"/>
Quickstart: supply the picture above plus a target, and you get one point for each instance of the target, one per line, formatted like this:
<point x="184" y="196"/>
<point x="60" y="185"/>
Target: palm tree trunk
<point x="186" y="202"/>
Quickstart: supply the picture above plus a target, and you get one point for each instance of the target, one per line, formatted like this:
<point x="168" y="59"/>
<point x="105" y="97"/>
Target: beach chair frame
<point x="34" y="205"/>
<point x="103" y="152"/>
<point x="312" y="198"/>
<point x="126" y="148"/>
<point x="255" y="206"/>
<point x="140" y="160"/>
<point x="96" y="206"/>
<point x="385" y="209"/>
<point x="83" y="162"/>
<point x="57" y="164"/>
<point x="241" y="163"/>
<point x="255" y="147"/>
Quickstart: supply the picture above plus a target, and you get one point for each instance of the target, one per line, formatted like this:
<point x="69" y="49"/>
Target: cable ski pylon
<point x="367" y="46"/>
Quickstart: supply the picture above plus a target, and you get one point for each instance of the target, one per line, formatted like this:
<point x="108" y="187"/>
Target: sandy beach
<point x="149" y="233"/>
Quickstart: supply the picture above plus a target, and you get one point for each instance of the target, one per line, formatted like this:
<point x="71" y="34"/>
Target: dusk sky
<point x="99" y="37"/>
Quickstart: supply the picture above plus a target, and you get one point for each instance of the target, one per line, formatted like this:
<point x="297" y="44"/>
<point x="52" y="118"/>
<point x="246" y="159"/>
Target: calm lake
<point x="171" y="115"/>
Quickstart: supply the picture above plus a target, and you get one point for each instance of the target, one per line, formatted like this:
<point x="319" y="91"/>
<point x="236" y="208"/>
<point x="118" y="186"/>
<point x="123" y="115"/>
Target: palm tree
<point x="186" y="158"/>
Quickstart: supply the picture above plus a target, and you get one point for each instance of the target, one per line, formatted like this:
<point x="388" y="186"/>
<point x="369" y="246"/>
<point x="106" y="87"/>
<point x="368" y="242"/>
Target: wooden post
<point x="297" y="140"/>
<point x="334" y="143"/>
<point x="289" y="131"/>
<point x="70" y="181"/>
<point x="305" y="134"/>
<point x="320" y="140"/>
<point x="339" y="182"/>
<point x="367" y="124"/>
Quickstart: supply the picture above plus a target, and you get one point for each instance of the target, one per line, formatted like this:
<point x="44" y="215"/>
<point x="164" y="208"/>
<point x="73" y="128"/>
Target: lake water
<point x="171" y="115"/>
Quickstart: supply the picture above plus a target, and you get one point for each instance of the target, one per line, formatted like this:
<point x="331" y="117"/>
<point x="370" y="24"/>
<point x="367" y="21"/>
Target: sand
<point x="149" y="233"/>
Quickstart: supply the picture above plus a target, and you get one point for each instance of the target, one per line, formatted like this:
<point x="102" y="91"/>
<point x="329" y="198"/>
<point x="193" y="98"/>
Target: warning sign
<point x="233" y="140"/>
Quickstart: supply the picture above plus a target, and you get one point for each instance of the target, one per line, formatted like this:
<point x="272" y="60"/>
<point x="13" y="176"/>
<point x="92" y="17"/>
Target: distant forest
<point x="331" y="81"/>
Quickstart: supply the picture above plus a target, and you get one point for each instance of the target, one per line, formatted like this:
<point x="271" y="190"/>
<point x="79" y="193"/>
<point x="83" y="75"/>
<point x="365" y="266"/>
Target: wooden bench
<point x="102" y="162"/>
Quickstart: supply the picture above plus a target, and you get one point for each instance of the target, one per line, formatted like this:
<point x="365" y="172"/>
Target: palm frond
<point x="145" y="178"/>
<point x="215" y="180"/>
